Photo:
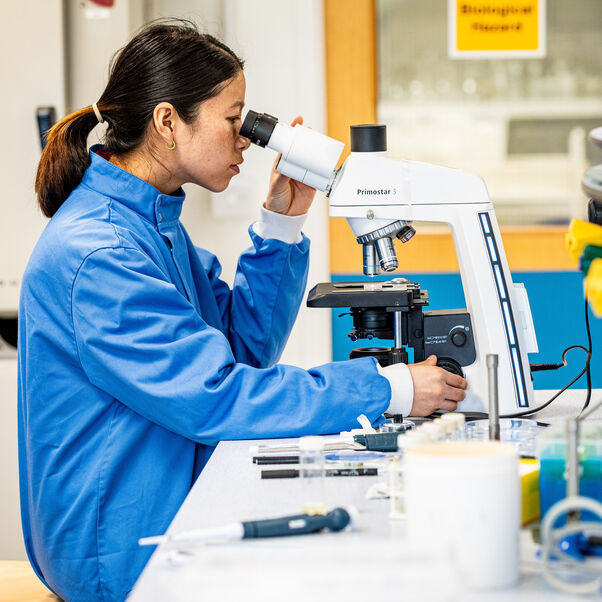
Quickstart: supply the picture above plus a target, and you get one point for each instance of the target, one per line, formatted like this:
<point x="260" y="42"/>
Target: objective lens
<point x="370" y="262"/>
<point x="386" y="254"/>
<point x="406" y="233"/>
<point x="258" y="127"/>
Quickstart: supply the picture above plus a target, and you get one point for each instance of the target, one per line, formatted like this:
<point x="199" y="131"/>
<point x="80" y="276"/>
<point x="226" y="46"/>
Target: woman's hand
<point x="288" y="196"/>
<point x="435" y="388"/>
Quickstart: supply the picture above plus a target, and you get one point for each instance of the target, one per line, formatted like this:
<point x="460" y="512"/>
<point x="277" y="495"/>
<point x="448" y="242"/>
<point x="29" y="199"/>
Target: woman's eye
<point x="233" y="119"/>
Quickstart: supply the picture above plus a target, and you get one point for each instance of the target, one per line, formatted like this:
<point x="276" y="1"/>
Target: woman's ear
<point x="165" y="118"/>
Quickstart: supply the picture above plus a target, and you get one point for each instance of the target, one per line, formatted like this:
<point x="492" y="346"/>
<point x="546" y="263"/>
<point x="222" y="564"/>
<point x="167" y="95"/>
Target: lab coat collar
<point x="136" y="194"/>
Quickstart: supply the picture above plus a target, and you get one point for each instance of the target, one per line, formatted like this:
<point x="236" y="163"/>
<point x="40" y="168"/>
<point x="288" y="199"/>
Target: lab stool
<point x="18" y="583"/>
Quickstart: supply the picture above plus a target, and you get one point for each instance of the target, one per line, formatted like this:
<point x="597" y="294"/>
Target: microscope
<point x="382" y="199"/>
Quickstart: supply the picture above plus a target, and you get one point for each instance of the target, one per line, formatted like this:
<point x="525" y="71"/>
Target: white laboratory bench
<point x="371" y="563"/>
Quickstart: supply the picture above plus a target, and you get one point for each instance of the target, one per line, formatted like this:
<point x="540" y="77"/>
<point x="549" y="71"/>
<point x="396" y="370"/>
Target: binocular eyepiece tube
<point x="307" y="156"/>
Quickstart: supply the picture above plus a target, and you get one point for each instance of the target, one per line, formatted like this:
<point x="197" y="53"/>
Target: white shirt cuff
<point x="286" y="228"/>
<point x="402" y="388"/>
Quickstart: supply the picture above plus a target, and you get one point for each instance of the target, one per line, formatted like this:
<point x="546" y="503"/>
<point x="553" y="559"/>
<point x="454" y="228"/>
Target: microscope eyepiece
<point x="370" y="138"/>
<point x="258" y="127"/>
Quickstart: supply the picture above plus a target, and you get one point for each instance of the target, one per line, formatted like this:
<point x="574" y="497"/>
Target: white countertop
<point x="372" y="563"/>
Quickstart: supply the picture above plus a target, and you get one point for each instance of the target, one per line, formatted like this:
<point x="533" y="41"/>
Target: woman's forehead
<point x="233" y="94"/>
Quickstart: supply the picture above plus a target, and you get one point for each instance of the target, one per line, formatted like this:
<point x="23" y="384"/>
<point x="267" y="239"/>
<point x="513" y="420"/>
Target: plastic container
<point x="312" y="475"/>
<point x="462" y="501"/>
<point x="551" y="452"/>
<point x="520" y="432"/>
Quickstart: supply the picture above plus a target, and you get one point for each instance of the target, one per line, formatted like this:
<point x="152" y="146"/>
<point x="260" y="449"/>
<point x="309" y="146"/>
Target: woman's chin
<point x="217" y="186"/>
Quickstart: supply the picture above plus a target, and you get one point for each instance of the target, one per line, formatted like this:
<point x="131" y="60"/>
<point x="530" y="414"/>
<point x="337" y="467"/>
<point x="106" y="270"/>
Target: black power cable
<point x="586" y="370"/>
<point x="589" y="343"/>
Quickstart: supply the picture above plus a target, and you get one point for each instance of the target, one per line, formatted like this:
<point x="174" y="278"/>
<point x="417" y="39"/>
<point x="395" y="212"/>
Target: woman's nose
<point x="243" y="142"/>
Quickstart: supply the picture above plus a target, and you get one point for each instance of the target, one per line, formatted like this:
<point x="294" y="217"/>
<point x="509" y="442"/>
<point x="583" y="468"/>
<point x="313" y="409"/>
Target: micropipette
<point x="299" y="524"/>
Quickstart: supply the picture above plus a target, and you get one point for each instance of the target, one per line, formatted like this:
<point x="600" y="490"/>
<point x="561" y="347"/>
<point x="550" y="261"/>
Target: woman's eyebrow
<point x="238" y="103"/>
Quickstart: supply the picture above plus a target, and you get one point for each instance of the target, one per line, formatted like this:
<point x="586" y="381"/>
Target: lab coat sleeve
<point x="140" y="341"/>
<point x="260" y="310"/>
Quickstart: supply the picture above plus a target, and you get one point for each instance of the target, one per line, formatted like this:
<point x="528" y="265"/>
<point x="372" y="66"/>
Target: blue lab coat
<point x="135" y="360"/>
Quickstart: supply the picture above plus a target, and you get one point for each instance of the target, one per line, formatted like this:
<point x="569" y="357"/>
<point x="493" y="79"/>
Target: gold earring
<point x="173" y="145"/>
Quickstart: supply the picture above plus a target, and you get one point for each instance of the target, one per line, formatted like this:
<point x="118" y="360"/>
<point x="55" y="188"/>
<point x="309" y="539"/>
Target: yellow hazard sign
<point x="496" y="28"/>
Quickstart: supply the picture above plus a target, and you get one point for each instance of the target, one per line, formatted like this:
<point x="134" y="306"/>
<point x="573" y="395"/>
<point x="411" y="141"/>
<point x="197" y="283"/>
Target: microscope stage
<point x="392" y="293"/>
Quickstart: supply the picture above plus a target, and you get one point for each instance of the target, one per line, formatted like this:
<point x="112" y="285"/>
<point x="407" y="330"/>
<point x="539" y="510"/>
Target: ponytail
<point x="64" y="160"/>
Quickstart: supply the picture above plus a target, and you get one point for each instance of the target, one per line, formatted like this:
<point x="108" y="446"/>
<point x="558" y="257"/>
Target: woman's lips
<point x="235" y="168"/>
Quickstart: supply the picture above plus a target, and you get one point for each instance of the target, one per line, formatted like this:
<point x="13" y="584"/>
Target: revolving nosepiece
<point x="378" y="245"/>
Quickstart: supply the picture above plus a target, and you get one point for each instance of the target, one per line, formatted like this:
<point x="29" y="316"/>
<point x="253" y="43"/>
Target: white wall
<point x="32" y="75"/>
<point x="94" y="34"/>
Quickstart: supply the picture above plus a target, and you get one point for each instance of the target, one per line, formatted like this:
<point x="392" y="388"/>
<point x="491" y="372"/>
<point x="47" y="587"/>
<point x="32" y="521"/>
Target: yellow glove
<point x="580" y="235"/>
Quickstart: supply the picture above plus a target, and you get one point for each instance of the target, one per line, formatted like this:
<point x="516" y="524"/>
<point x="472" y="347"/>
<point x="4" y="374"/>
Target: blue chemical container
<point x="551" y="451"/>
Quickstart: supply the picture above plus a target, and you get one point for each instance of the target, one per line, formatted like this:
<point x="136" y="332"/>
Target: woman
<point x="135" y="359"/>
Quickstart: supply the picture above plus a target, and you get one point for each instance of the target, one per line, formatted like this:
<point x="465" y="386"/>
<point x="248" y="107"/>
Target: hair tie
<point x="97" y="113"/>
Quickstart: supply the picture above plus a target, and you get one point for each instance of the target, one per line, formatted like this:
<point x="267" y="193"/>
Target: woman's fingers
<point x="450" y="406"/>
<point x="454" y="394"/>
<point x="453" y="380"/>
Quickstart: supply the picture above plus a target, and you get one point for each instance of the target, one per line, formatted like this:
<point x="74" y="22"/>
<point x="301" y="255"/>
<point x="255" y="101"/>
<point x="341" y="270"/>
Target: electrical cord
<point x="586" y="370"/>
<point x="589" y="346"/>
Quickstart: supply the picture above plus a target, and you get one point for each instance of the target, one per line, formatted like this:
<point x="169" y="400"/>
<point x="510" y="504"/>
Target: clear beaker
<point x="312" y="475"/>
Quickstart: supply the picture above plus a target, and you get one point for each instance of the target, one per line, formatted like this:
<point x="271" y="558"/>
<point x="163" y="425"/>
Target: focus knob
<point x="451" y="365"/>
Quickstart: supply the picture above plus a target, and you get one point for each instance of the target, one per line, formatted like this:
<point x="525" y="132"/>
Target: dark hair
<point x="167" y="60"/>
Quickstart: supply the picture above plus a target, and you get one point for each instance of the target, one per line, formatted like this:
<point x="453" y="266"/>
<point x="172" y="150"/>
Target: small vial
<point x="410" y="439"/>
<point x="451" y="425"/>
<point x="460" y="420"/>
<point x="432" y="431"/>
<point x="312" y="475"/>
<point x="444" y="429"/>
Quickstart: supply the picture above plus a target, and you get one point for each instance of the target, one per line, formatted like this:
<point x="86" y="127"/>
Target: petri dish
<point x="520" y="432"/>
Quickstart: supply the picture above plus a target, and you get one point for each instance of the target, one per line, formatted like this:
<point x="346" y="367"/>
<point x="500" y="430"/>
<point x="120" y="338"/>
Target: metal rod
<point x="494" y="406"/>
<point x="572" y="462"/>
<point x="398" y="332"/>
